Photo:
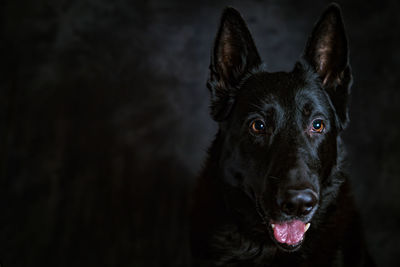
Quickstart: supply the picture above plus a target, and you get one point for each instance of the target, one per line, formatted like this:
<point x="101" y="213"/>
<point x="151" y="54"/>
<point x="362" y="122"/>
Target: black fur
<point x="248" y="173"/>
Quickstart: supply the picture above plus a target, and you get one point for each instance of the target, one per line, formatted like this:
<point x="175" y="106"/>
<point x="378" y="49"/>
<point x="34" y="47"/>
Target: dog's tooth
<point x="306" y="227"/>
<point x="272" y="225"/>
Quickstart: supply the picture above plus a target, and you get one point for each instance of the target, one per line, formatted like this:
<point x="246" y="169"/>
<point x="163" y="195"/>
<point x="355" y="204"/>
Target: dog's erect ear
<point x="233" y="56"/>
<point x="327" y="52"/>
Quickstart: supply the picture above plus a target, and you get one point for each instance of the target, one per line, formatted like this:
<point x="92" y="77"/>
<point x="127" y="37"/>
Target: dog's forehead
<point x="276" y="83"/>
<point x="293" y="89"/>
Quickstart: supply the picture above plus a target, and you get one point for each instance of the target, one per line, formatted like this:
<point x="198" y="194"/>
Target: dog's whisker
<point x="261" y="212"/>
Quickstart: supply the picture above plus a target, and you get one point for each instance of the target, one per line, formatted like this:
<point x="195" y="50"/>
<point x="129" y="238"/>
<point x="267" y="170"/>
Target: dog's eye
<point x="317" y="126"/>
<point x="258" y="126"/>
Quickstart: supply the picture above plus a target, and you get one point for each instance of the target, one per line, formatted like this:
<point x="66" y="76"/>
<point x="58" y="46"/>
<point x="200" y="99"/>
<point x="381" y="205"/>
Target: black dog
<point x="273" y="192"/>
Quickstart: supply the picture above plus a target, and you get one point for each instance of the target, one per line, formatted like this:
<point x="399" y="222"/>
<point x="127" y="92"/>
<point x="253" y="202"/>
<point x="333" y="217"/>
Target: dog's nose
<point x="298" y="202"/>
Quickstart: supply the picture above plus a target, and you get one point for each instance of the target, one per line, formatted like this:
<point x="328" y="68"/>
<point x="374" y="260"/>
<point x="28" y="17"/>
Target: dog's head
<point x="279" y="131"/>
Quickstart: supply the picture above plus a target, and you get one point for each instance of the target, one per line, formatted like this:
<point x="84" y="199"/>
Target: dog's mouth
<point x="289" y="235"/>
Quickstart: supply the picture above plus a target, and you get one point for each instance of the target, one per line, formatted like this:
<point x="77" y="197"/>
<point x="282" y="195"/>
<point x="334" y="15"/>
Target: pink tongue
<point x="290" y="233"/>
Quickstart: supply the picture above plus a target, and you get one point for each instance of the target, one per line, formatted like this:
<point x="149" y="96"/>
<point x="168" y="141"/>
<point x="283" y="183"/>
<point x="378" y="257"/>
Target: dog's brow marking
<point x="257" y="106"/>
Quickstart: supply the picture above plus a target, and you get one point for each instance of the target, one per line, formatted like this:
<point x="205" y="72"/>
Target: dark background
<point x="105" y="124"/>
